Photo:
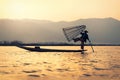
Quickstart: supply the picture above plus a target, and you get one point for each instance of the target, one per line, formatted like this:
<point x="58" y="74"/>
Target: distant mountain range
<point x="101" y="30"/>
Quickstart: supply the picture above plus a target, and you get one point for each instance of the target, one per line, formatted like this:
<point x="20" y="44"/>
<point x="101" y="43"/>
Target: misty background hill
<point x="101" y="30"/>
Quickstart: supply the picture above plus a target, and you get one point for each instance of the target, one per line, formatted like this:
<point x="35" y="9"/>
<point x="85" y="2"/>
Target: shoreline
<point x="55" y="44"/>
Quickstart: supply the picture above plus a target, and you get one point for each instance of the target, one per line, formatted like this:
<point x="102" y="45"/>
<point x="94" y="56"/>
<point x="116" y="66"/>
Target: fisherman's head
<point x="86" y="31"/>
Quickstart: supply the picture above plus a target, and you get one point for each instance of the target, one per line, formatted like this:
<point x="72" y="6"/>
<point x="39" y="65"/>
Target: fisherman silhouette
<point x="84" y="37"/>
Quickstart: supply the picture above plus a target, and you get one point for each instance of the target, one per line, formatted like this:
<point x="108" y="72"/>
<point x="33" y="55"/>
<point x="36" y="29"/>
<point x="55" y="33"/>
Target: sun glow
<point x="17" y="10"/>
<point x="57" y="10"/>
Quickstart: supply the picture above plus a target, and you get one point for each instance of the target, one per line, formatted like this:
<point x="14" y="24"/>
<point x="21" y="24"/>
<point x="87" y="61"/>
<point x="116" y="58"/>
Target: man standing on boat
<point x="84" y="37"/>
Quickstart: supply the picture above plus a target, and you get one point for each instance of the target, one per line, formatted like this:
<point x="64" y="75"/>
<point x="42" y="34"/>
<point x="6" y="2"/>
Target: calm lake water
<point x="20" y="64"/>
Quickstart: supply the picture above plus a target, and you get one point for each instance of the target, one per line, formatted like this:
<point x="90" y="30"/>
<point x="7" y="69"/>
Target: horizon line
<point x="55" y="21"/>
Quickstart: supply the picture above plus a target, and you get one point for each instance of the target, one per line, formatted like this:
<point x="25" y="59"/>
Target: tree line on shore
<point x="20" y="43"/>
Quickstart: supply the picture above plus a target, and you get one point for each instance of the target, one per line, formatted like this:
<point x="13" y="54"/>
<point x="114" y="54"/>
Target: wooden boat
<point x="38" y="49"/>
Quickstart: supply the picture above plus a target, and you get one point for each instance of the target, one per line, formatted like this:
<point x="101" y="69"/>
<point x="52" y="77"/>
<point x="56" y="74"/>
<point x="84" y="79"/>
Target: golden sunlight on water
<point x="20" y="64"/>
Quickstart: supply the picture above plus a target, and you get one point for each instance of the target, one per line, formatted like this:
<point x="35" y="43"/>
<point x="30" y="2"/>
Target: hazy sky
<point x="58" y="10"/>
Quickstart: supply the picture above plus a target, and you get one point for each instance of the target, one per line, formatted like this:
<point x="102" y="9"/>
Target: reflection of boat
<point x="37" y="49"/>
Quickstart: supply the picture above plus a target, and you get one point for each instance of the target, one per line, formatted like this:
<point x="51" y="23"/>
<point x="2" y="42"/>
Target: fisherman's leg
<point x="82" y="45"/>
<point x="76" y="39"/>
